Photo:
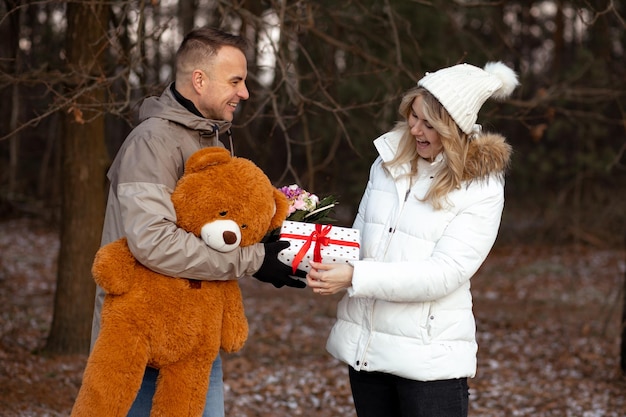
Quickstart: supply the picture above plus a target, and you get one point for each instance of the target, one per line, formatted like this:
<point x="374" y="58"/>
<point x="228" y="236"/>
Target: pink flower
<point x="304" y="206"/>
<point x="298" y="204"/>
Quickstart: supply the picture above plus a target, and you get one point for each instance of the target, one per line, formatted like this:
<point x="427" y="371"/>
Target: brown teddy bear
<point x="178" y="325"/>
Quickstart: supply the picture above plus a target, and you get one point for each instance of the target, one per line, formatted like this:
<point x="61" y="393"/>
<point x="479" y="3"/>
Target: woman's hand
<point x="326" y="279"/>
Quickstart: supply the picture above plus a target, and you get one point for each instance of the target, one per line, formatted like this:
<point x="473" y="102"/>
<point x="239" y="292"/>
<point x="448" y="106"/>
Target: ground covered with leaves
<point x="548" y="318"/>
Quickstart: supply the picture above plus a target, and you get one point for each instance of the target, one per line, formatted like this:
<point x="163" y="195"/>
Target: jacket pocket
<point x="428" y="317"/>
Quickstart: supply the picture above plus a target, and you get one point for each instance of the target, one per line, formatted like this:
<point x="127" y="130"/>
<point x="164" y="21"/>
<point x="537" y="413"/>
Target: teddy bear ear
<point x="281" y="211"/>
<point x="207" y="157"/>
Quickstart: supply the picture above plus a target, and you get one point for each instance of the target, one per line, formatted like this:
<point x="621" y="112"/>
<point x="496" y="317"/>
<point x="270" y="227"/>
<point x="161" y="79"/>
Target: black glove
<point x="272" y="236"/>
<point x="274" y="271"/>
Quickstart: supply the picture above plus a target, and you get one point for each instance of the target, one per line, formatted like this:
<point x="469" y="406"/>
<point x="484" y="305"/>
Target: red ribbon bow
<point x="320" y="237"/>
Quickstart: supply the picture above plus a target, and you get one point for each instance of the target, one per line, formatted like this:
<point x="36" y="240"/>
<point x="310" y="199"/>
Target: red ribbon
<point x="320" y="237"/>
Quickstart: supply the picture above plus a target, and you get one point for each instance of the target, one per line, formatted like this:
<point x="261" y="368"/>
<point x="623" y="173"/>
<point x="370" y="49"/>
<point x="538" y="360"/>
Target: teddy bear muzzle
<point x="221" y="235"/>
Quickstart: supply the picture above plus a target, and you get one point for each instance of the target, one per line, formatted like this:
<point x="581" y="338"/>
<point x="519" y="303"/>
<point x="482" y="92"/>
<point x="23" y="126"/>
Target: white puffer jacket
<point x="409" y="310"/>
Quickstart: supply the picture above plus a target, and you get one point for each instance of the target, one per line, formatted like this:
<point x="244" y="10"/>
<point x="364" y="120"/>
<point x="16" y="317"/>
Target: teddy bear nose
<point x="229" y="237"/>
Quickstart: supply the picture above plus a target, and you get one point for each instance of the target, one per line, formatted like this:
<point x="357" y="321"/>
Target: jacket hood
<point x="167" y="107"/>
<point x="489" y="153"/>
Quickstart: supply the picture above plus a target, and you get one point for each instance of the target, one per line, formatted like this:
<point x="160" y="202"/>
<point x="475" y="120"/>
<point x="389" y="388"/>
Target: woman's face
<point x="427" y="139"/>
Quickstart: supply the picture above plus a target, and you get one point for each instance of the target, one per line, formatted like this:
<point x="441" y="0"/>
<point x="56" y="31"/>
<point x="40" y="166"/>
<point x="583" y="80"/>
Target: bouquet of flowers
<point x="307" y="207"/>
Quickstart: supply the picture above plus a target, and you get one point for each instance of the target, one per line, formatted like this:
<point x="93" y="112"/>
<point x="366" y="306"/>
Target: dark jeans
<point x="377" y="394"/>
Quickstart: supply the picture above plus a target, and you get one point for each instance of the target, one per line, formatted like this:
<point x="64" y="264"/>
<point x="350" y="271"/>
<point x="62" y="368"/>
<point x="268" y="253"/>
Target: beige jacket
<point x="142" y="177"/>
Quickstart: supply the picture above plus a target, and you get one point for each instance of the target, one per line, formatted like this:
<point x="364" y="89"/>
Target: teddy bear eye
<point x="223" y="213"/>
<point x="244" y="226"/>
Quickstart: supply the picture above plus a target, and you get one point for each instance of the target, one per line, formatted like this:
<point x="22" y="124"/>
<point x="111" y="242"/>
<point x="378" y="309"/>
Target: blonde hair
<point x="454" y="141"/>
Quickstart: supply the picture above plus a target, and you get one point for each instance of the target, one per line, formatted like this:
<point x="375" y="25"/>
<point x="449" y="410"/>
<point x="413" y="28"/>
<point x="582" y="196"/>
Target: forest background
<point x="325" y="79"/>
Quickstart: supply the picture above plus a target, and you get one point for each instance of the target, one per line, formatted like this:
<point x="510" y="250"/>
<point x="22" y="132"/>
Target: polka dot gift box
<point x="318" y="242"/>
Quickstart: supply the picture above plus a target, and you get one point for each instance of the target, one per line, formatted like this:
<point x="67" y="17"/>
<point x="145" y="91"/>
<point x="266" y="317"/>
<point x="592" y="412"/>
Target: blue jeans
<point x="214" y="406"/>
<point x="378" y="394"/>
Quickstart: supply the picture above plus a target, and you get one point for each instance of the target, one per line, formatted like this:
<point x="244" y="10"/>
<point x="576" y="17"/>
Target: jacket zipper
<point x="392" y="229"/>
<point x="361" y="361"/>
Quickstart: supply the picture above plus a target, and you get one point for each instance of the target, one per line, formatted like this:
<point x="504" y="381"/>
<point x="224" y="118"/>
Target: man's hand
<point x="274" y="271"/>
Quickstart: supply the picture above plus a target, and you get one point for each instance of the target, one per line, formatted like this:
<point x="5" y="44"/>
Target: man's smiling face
<point x="224" y="85"/>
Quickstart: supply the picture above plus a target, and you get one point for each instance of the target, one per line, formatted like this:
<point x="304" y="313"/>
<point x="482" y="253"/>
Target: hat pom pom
<point x="506" y="75"/>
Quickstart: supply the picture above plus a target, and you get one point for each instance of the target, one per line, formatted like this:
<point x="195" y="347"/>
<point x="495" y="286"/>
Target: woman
<point x="428" y="219"/>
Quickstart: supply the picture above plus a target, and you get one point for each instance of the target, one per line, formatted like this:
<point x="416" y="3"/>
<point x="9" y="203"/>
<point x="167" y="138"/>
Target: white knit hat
<point x="463" y="89"/>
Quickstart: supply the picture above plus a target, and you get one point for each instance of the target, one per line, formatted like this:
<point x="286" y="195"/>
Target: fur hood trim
<point x="488" y="154"/>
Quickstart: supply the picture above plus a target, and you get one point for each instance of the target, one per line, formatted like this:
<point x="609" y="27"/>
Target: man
<point x="190" y="114"/>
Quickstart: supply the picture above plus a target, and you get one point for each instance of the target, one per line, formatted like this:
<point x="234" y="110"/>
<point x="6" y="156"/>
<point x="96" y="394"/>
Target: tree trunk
<point x="187" y="14"/>
<point x="15" y="23"/>
<point x="623" y="345"/>
<point x="83" y="179"/>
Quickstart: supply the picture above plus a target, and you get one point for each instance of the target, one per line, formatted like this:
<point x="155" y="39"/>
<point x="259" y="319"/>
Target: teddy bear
<point x="173" y="324"/>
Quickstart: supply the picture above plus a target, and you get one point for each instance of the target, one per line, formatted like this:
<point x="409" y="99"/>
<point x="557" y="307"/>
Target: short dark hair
<point x="202" y="43"/>
<point x="214" y="38"/>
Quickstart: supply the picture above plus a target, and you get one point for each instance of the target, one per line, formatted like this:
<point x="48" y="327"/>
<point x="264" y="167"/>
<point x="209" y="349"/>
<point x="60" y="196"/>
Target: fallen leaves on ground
<point x="548" y="318"/>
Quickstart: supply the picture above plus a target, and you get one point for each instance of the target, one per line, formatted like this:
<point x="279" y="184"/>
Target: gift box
<point x="318" y="242"/>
